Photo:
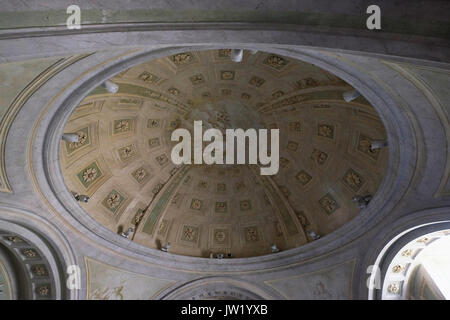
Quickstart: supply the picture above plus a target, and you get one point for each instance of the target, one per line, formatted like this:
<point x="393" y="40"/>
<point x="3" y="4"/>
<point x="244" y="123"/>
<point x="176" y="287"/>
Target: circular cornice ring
<point x="50" y="182"/>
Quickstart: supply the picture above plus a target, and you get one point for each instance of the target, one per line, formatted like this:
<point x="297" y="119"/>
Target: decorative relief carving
<point x="157" y="188"/>
<point x="173" y="91"/>
<point x="353" y="180"/>
<point x="227" y="75"/>
<point x="43" y="290"/>
<point x="113" y="201"/>
<point x="221" y="207"/>
<point x="245" y="96"/>
<point x="302" y="218"/>
<point x="30" y="253"/>
<point x="221" y="187"/>
<point x="319" y="157"/>
<point x="14" y="239"/>
<point x="398" y="268"/>
<point x="149" y="77"/>
<point x="162" y="160"/>
<point x="182" y="58"/>
<point x="328" y="204"/>
<point x="138" y="217"/>
<point x="89" y="174"/>
<point x="245" y="205"/>
<point x="153" y="123"/>
<point x="251" y="234"/>
<point x="122" y="126"/>
<point x="221" y="236"/>
<point x="424" y="240"/>
<point x="325" y="130"/>
<point x="154" y="142"/>
<point x="197" y="79"/>
<point x="140" y="174"/>
<point x="189" y="233"/>
<point x="196" y="204"/>
<point x="407" y="253"/>
<point x="276" y="62"/>
<point x="307" y="83"/>
<point x="256" y="81"/>
<point x="176" y="198"/>
<point x="126" y="153"/>
<point x="39" y="270"/>
<point x="174" y="124"/>
<point x="303" y="177"/>
<point x="394" y="288"/>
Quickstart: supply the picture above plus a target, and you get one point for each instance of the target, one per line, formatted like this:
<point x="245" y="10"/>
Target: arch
<point x="395" y="257"/>
<point x="219" y="288"/>
<point x="35" y="255"/>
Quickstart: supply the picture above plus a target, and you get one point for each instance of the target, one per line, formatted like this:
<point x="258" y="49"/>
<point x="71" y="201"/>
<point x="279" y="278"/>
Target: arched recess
<point x="51" y="183"/>
<point x="389" y="267"/>
<point x="219" y="288"/>
<point x="34" y="258"/>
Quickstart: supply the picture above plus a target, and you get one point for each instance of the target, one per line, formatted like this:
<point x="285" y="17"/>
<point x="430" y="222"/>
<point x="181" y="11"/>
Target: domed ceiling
<point x="122" y="160"/>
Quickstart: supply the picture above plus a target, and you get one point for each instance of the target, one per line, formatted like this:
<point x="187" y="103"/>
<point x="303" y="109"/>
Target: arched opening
<point x="420" y="271"/>
<point x="219" y="288"/>
<point x="413" y="266"/>
<point x="29" y="267"/>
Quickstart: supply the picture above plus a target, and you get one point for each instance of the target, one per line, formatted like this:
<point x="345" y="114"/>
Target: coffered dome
<point x="122" y="159"/>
